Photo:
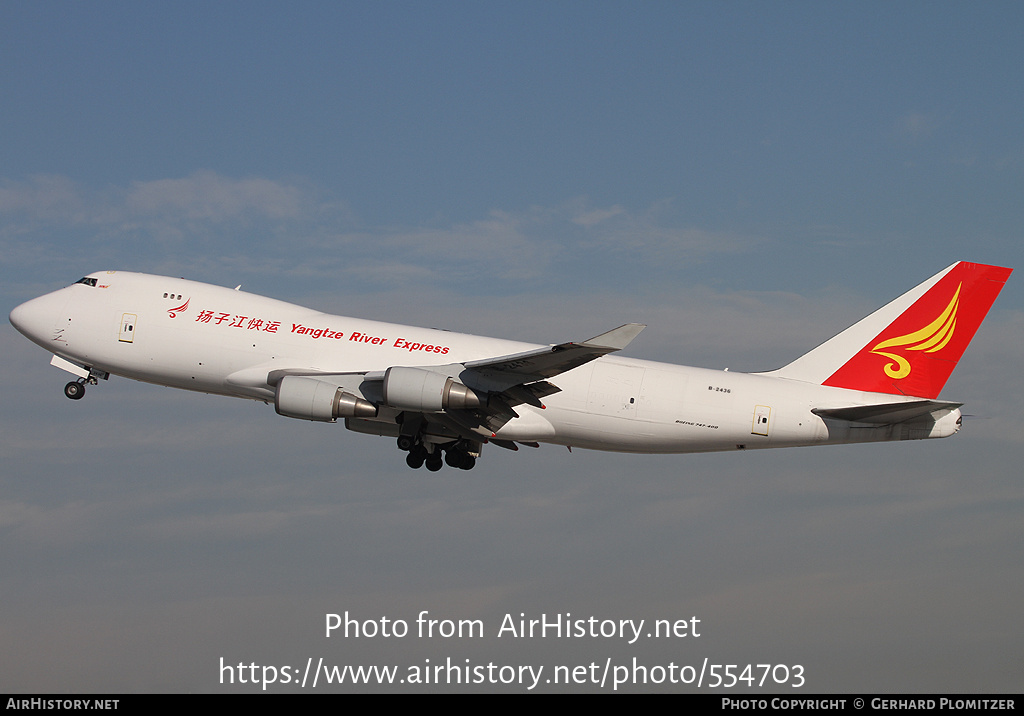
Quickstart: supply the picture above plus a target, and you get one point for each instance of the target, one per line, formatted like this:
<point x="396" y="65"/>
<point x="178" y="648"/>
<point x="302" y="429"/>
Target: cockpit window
<point x="87" y="281"/>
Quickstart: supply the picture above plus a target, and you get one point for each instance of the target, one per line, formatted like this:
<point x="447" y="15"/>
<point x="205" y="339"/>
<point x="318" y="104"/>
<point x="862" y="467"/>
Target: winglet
<point x="617" y="338"/>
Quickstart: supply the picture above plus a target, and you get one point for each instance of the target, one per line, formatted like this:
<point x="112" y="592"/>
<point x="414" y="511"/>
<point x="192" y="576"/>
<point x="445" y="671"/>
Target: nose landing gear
<point x="87" y="375"/>
<point x="75" y="389"/>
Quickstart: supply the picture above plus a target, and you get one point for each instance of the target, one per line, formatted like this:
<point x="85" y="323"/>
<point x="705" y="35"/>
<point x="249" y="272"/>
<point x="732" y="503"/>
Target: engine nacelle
<point x="309" y="398"/>
<point x="427" y="392"/>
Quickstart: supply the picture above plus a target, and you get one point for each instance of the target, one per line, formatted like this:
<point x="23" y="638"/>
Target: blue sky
<point x="746" y="178"/>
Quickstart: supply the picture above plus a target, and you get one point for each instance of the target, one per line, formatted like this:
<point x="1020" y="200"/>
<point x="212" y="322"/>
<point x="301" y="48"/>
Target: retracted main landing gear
<point x="455" y="454"/>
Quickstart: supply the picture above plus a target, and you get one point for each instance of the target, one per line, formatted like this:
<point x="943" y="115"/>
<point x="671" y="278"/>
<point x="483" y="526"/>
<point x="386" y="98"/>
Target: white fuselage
<point x="227" y="342"/>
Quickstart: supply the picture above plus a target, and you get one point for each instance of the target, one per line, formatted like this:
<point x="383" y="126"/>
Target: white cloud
<point x="917" y="126"/>
<point x="45" y="197"/>
<point x="204" y="195"/>
<point x="596" y="216"/>
<point x="207" y="224"/>
<point x="210" y="196"/>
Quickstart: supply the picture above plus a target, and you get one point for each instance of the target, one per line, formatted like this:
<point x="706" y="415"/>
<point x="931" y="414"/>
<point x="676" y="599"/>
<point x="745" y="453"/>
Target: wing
<point x="548" y="362"/>
<point x="503" y="382"/>
<point x="470" y="400"/>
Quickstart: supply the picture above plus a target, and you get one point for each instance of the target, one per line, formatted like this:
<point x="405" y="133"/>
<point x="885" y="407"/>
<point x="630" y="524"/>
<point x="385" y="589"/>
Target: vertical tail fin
<point x="910" y="346"/>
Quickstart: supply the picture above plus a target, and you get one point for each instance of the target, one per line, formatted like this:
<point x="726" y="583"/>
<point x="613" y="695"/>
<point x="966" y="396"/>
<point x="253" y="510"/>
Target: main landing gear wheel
<point x="415" y="458"/>
<point x="75" y="390"/>
<point x="459" y="459"/>
<point x="418" y="456"/>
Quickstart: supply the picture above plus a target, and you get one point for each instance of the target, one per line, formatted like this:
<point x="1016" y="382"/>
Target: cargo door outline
<point x="127" y="333"/>
<point x="762" y="420"/>
<point x="614" y="389"/>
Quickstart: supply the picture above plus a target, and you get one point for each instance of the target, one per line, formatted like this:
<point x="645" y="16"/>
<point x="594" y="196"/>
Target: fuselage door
<point x="127" y="334"/>
<point x="762" y="414"/>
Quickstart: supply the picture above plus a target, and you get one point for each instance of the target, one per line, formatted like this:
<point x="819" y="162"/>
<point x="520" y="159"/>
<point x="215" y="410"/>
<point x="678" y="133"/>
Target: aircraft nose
<point x="35" y="319"/>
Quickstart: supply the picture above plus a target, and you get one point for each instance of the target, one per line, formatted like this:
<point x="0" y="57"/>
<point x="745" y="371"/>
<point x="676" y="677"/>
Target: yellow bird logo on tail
<point x="930" y="339"/>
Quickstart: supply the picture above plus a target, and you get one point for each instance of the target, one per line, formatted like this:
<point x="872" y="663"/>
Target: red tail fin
<point x="917" y="351"/>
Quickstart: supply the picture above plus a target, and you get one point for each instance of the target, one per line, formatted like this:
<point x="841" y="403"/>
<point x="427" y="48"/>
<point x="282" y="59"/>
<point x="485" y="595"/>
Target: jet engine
<point x="309" y="398"/>
<point x="425" y="391"/>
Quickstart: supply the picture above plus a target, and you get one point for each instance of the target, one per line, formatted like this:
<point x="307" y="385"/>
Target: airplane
<point x="437" y="392"/>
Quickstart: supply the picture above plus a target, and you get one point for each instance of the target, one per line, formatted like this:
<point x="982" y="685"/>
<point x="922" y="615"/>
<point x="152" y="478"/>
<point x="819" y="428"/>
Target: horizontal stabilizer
<point x="886" y="413"/>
